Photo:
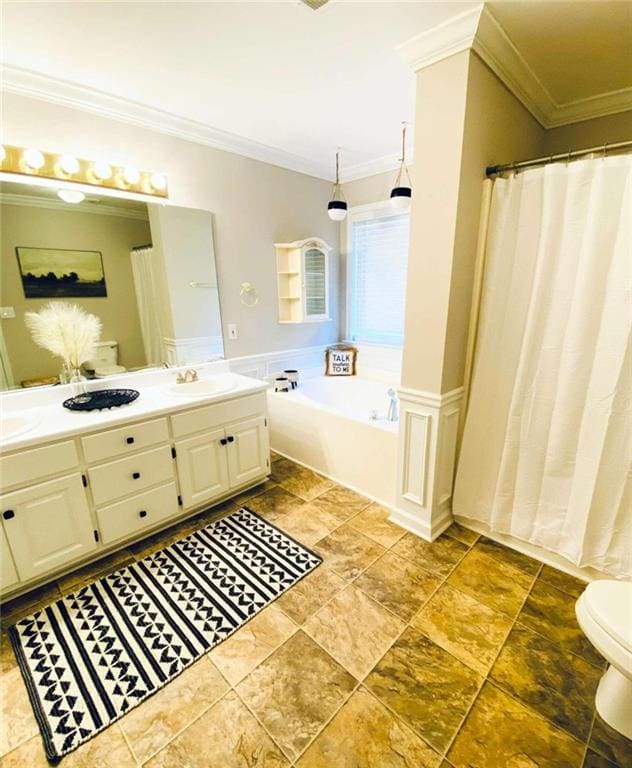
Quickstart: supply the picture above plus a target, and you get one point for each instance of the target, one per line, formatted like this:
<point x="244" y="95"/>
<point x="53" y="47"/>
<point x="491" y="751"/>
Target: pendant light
<point x="337" y="207"/>
<point x="402" y="192"/>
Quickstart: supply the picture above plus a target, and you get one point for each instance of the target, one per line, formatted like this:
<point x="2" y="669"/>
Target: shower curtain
<point x="145" y="284"/>
<point x="546" y="452"/>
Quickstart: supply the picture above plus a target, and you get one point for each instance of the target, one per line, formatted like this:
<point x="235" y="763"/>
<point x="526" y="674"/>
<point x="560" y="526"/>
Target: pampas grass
<point x="66" y="330"/>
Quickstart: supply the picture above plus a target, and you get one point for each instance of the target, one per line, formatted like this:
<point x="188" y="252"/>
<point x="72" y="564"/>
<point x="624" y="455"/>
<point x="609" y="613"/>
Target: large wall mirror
<point x="147" y="271"/>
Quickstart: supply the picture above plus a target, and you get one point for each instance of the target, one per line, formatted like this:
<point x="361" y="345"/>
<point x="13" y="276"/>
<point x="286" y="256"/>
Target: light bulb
<point x="34" y="159"/>
<point x="337" y="210"/>
<point x="131" y="175"/>
<point x="69" y="164"/>
<point x="102" y="170"/>
<point x="71" y="195"/>
<point x="158" y="181"/>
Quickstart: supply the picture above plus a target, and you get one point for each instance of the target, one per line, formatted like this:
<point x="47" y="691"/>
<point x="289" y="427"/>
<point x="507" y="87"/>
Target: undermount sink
<point x="12" y="426"/>
<point x="204" y="387"/>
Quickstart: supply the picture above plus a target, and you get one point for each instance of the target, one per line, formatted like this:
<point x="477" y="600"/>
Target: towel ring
<point x="248" y="295"/>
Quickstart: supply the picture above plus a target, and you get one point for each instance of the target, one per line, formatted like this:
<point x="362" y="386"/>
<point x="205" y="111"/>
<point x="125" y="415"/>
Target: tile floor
<point x="394" y="653"/>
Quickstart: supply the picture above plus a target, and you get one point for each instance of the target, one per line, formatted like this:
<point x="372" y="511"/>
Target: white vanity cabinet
<point x="48" y="525"/>
<point x="216" y="458"/>
<point x="71" y="501"/>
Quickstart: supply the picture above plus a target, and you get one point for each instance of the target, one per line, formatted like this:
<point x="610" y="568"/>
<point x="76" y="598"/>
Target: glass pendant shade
<point x="337" y="210"/>
<point x="400" y="197"/>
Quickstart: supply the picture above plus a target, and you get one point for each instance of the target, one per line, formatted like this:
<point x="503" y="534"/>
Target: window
<point x="377" y="276"/>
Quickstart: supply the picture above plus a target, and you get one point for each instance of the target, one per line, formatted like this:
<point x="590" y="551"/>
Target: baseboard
<point x="412" y="523"/>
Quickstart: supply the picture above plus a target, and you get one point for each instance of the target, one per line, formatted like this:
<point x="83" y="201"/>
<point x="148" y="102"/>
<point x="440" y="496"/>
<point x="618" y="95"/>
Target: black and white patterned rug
<point x="93" y="655"/>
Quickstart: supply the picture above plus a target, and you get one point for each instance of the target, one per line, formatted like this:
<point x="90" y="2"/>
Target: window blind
<point x="378" y="279"/>
<point x="315" y="283"/>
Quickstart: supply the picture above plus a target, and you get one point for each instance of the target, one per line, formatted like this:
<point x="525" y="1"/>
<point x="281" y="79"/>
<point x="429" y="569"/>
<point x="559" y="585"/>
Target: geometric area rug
<point x="90" y="657"/>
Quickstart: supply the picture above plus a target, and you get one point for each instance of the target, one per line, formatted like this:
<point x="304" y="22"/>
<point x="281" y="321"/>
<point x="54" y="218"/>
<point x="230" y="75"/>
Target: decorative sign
<point x="341" y="360"/>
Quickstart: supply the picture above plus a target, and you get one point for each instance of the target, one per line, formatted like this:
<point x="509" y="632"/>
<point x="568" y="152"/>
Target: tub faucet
<point x="392" y="406"/>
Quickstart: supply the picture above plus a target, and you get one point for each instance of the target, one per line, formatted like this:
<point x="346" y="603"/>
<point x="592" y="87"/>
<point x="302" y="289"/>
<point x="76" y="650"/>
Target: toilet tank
<point x="106" y="353"/>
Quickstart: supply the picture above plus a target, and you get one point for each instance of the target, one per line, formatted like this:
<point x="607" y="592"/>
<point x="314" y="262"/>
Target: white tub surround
<point x="426" y="460"/>
<point x="76" y="486"/>
<point x="325" y="425"/>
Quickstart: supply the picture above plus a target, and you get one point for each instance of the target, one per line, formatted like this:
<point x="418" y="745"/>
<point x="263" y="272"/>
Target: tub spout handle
<point x="392" y="406"/>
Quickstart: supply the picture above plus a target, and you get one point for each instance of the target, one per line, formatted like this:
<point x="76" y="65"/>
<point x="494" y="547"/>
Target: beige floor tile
<point x="338" y="504"/>
<point x="89" y="573"/>
<point x="594" y="760"/>
<point x="17" y="723"/>
<point x="492" y="582"/>
<point x="35" y="600"/>
<point x="306" y="484"/>
<point x="244" y="497"/>
<point x="610" y="744"/>
<point x="303" y="599"/>
<point x="508" y="556"/>
<point x="355" y="630"/>
<point x="374" y="523"/>
<point x="560" y="686"/>
<point x="426" y="686"/>
<point x="107" y="749"/>
<point x="400" y="585"/>
<point x="364" y="734"/>
<point x="296" y="691"/>
<point x="562" y="581"/>
<point x="150" y="726"/>
<point x="439" y="557"/>
<point x="552" y="613"/>
<point x="462" y="534"/>
<point x="281" y="469"/>
<point x="275" y="503"/>
<point x="8" y="661"/>
<point x="499" y="731"/>
<point x="305" y="524"/>
<point x="464" y="627"/>
<point x="348" y="552"/>
<point x="226" y="736"/>
<point x="239" y="654"/>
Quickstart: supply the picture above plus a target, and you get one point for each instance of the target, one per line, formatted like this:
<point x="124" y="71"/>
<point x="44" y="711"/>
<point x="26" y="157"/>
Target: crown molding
<point x="479" y="30"/>
<point x="373" y="167"/>
<point x="452" y="36"/>
<point x="33" y="201"/>
<point x="35" y="85"/>
<point x="601" y="105"/>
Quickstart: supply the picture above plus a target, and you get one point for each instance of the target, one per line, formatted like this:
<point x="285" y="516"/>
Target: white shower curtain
<point x="547" y="445"/>
<point x="145" y="284"/>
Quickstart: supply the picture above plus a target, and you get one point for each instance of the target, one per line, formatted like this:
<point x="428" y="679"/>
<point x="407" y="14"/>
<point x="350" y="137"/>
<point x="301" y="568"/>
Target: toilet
<point x="105" y="361"/>
<point x="604" y="612"/>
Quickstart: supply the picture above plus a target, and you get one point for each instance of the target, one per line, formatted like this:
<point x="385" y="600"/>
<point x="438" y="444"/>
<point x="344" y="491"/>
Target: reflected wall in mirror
<point x="161" y="301"/>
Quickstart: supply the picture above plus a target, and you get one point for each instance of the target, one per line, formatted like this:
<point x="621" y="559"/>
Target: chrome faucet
<point x="392" y="406"/>
<point x="187" y="377"/>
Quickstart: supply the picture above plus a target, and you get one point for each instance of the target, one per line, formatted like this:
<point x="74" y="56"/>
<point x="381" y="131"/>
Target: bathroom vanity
<point x="75" y="486"/>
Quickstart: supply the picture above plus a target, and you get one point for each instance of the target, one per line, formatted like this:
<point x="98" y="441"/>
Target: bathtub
<point x="325" y="424"/>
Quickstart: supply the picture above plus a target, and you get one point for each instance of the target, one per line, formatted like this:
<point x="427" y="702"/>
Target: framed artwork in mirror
<point x="55" y="273"/>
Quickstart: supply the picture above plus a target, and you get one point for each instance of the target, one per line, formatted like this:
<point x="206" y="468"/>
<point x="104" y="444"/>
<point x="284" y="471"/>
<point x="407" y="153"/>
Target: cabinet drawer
<point x="119" y="442"/>
<point x="26" y="466"/>
<point x="131" y="475"/>
<point x="212" y="416"/>
<point x="142" y="511"/>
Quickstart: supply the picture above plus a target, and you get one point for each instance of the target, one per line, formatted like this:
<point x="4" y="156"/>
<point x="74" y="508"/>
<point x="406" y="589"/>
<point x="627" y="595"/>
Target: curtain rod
<point x="491" y="170"/>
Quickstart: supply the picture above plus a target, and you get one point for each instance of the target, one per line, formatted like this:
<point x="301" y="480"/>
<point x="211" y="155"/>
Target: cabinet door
<point x="48" y="525"/>
<point x="9" y="574"/>
<point x="248" y="451"/>
<point x="202" y="468"/>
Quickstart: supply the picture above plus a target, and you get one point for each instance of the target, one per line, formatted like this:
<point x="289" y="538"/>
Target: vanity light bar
<point x="32" y="162"/>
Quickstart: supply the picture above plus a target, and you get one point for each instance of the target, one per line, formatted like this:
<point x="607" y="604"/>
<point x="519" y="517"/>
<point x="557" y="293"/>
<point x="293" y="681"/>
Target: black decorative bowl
<point x="101" y="399"/>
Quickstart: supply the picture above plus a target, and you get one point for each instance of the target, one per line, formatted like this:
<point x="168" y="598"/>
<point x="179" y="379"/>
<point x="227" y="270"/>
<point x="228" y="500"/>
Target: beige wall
<point x="590" y="133"/>
<point x="254" y="205"/>
<point x="114" y="236"/>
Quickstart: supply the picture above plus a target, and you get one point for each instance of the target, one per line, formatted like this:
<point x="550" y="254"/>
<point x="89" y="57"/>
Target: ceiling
<point x="577" y="49"/>
<point x="285" y="82"/>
